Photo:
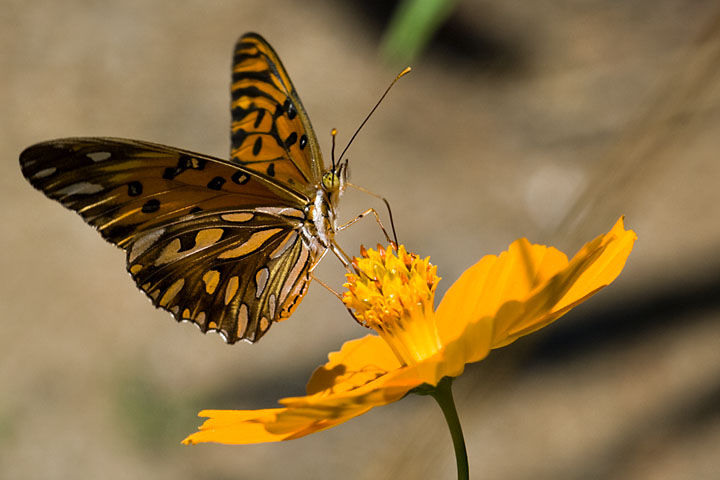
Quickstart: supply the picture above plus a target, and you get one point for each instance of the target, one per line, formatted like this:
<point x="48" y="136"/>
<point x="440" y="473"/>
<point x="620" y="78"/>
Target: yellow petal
<point x="472" y="345"/>
<point x="301" y="416"/>
<point x="615" y="247"/>
<point x="594" y="267"/>
<point x="236" y="427"/>
<point x="358" y="362"/>
<point x="362" y="375"/>
<point x="493" y="282"/>
<point x="526" y="288"/>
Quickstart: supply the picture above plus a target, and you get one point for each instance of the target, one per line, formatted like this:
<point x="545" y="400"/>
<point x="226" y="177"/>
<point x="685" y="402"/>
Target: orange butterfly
<point x="228" y="245"/>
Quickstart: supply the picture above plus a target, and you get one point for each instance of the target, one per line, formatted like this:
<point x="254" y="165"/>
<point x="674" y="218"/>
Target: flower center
<point x="394" y="294"/>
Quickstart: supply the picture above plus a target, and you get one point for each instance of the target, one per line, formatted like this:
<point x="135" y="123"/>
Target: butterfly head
<point x="333" y="180"/>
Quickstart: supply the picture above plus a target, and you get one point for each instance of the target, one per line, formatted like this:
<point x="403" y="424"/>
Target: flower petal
<point x="357" y="363"/>
<point x="594" y="267"/>
<point x="302" y="415"/>
<point x="362" y="375"/>
<point x="236" y="427"/>
<point x="526" y="288"/>
<point x="494" y="281"/>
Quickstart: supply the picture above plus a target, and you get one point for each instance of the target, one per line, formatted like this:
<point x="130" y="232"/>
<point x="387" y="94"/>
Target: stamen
<point x="393" y="293"/>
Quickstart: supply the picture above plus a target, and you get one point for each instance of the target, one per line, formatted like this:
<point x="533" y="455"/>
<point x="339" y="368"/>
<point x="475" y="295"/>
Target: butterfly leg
<point x="342" y="256"/>
<point x="317" y="262"/>
<point x="387" y="204"/>
<point x="377" y="219"/>
<point x="339" y="296"/>
<point x="328" y="287"/>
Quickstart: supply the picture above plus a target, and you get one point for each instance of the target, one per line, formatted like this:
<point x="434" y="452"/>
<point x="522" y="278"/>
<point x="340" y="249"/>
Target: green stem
<point x="443" y="396"/>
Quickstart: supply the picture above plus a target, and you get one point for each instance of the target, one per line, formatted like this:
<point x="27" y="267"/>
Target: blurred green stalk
<point x="412" y="27"/>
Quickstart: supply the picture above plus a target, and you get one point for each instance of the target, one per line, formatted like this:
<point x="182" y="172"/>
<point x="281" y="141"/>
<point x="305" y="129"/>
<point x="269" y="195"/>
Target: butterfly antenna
<point x="333" y="132"/>
<point x="400" y="75"/>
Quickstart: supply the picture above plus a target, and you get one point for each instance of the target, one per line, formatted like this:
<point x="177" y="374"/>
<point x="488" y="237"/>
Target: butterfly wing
<point x="270" y="130"/>
<point x="211" y="242"/>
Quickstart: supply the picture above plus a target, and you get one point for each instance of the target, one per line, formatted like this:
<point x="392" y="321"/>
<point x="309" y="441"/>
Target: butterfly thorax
<point x="319" y="228"/>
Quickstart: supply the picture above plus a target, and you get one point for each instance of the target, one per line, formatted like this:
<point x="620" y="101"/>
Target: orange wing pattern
<point x="212" y="242"/>
<point x="270" y="130"/>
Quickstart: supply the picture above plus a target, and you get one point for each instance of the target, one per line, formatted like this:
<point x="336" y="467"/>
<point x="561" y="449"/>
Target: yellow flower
<point x="493" y="303"/>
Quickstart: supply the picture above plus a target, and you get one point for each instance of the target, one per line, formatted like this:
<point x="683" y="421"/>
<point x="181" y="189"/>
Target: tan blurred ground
<point x="540" y="119"/>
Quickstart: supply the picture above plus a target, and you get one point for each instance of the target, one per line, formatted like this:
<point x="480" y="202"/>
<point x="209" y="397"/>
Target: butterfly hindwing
<point x="209" y="241"/>
<point x="235" y="277"/>
<point x="270" y="130"/>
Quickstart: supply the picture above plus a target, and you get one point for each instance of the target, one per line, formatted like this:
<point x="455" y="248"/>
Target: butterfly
<point x="229" y="245"/>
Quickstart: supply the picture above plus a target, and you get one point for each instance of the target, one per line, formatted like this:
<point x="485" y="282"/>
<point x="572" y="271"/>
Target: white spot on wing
<point x="99" y="156"/>
<point x="80" y="188"/>
<point x="261" y="278"/>
<point x="283" y="211"/>
<point x="242" y="319"/>
<point x="289" y="240"/>
<point x="231" y="288"/>
<point x="272" y="305"/>
<point x="143" y="243"/>
<point x="45" y="173"/>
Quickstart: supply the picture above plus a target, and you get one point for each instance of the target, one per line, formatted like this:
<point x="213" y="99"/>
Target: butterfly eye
<point x="331" y="182"/>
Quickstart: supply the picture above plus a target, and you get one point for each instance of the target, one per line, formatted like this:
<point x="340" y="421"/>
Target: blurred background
<point x="541" y="119"/>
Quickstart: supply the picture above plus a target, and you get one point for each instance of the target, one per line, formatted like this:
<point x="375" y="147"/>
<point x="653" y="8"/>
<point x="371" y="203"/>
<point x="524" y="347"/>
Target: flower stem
<point x="443" y="396"/>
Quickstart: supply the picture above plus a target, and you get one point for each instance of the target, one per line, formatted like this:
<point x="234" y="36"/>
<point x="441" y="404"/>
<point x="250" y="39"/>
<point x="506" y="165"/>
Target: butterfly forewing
<point x="270" y="130"/>
<point x="207" y="240"/>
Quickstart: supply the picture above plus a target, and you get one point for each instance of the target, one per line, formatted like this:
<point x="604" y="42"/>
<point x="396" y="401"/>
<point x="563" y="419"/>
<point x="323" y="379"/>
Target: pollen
<point x="393" y="293"/>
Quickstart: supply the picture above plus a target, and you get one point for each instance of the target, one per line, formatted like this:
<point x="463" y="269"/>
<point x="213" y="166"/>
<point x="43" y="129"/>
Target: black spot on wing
<point x="290" y="109"/>
<point x="279" y="111"/>
<point x="135" y="189"/>
<point x="185" y="162"/>
<point x="151" y="206"/>
<point x="216" y="183"/>
<point x="258" y="119"/>
<point x="291" y="139"/>
<point x="170" y="173"/>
